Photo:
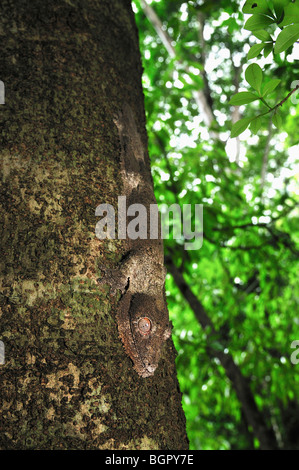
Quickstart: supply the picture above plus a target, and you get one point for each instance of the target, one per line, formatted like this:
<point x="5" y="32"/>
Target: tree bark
<point x="67" y="383"/>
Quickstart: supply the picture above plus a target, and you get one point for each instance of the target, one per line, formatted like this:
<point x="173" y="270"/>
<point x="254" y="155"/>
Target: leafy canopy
<point x="242" y="167"/>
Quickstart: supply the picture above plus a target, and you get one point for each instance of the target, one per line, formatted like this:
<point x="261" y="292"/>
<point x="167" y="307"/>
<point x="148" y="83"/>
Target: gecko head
<point x="150" y="328"/>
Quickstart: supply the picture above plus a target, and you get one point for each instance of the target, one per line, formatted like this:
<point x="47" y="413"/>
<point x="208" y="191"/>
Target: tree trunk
<point x="67" y="383"/>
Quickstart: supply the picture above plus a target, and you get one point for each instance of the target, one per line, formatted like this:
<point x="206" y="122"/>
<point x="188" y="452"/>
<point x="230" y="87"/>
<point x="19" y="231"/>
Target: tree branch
<point x="277" y="236"/>
<point x="198" y="95"/>
<point x="266" y="155"/>
<point x="222" y="244"/>
<point x="274" y="108"/>
<point x="157" y="24"/>
<point x="287" y="97"/>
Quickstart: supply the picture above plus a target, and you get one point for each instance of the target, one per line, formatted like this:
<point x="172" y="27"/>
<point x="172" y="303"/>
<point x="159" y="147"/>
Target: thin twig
<point x="287" y="97"/>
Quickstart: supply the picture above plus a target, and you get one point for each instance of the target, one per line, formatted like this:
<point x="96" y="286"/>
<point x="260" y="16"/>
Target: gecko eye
<point x="144" y="325"/>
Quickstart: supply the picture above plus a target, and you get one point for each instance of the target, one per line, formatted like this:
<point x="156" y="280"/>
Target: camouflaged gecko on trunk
<point x="142" y="314"/>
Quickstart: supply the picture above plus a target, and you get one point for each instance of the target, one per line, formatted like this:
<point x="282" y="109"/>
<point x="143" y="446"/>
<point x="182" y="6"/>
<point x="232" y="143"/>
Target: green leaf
<point x="243" y="97"/>
<point x="256" y="6"/>
<point x="291" y="14"/>
<point x="255" y="125"/>
<point x="240" y="126"/>
<point x="262" y="35"/>
<point x="255" y="50"/>
<point x="232" y="25"/>
<point x="257" y="22"/>
<point x="270" y="86"/>
<point x="268" y="49"/>
<point x="286" y="38"/>
<point x="254" y="76"/>
<point x="277" y="119"/>
<point x="279" y="7"/>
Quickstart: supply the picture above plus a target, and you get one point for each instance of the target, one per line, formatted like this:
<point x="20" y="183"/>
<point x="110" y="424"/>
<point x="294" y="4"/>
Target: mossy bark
<point x="67" y="383"/>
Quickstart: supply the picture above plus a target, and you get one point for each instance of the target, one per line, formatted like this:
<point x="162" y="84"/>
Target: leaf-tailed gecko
<point x="142" y="315"/>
